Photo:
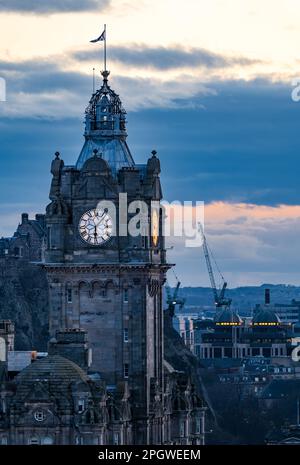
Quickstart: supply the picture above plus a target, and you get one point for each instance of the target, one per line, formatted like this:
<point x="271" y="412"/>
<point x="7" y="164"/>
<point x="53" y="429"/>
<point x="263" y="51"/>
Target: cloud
<point x="264" y="247"/>
<point x="53" y="6"/>
<point x="36" y="89"/>
<point x="166" y="58"/>
<point x="231" y="140"/>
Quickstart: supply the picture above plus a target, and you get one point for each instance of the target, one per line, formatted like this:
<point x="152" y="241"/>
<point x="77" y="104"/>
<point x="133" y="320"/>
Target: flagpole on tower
<point x="104" y="47"/>
<point x="102" y="38"/>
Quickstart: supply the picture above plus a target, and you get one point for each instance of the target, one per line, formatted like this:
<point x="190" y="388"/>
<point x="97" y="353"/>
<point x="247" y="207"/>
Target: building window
<point x="3" y="441"/>
<point x="125" y="296"/>
<point x="198" y="426"/>
<point x="126" y="335"/>
<point x="81" y="405"/>
<point x="49" y="239"/>
<point x="182" y="429"/>
<point x="34" y="441"/>
<point x="69" y="296"/>
<point x="39" y="415"/>
<point x="116" y="439"/>
<point x="126" y="370"/>
<point x="18" y="251"/>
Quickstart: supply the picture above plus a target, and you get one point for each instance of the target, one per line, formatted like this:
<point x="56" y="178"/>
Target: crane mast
<point x="219" y="297"/>
<point x="173" y="300"/>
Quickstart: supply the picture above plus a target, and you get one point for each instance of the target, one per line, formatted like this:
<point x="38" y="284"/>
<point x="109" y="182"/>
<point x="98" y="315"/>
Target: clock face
<point x="96" y="227"/>
<point x="155" y="228"/>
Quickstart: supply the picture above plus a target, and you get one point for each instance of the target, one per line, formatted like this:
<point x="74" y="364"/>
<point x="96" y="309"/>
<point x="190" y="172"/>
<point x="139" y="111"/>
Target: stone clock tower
<point x="102" y="278"/>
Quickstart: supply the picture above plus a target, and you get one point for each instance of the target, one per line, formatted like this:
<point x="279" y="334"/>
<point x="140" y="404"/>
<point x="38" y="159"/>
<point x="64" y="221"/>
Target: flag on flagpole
<point x="100" y="38"/>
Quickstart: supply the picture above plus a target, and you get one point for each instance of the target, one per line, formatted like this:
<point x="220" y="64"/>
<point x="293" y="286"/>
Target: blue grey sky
<point x="222" y="120"/>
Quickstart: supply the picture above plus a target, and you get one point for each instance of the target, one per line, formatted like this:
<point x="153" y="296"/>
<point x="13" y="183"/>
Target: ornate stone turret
<point x="105" y="129"/>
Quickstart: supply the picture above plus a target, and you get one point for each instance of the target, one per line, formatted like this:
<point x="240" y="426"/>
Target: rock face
<point x="24" y="300"/>
<point x="23" y="285"/>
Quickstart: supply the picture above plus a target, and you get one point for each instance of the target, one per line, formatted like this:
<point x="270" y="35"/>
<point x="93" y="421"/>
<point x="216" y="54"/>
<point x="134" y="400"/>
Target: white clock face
<point x="96" y="227"/>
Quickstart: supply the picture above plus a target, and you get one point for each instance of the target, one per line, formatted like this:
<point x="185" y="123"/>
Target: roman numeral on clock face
<point x="95" y="227"/>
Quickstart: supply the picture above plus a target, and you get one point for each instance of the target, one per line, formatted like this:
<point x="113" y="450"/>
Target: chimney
<point x="24" y="218"/>
<point x="71" y="344"/>
<point x="40" y="219"/>
<point x="267" y="297"/>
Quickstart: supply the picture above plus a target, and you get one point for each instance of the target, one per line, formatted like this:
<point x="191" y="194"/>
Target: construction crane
<point x="219" y="296"/>
<point x="174" y="299"/>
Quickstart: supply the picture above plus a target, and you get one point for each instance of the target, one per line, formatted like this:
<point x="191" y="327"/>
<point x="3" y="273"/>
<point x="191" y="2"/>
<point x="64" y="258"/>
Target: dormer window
<point x="81" y="405"/>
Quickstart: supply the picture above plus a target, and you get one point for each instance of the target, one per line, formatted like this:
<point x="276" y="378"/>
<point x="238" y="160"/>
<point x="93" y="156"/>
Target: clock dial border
<point x="84" y="233"/>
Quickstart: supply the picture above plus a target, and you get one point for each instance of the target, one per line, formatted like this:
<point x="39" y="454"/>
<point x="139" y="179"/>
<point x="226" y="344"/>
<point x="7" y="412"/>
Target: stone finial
<point x="57" y="154"/>
<point x="154" y="152"/>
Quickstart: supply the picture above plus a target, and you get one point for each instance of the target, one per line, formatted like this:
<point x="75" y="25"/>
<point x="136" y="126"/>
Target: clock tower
<point x="105" y="255"/>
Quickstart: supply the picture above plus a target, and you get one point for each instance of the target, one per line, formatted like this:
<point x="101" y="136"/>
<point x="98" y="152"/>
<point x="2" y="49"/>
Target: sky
<point x="208" y="86"/>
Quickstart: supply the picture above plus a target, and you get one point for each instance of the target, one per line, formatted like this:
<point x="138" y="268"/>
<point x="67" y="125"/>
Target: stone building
<point x="7" y="338"/>
<point x="229" y="337"/>
<point x="27" y="242"/>
<point x="105" y="380"/>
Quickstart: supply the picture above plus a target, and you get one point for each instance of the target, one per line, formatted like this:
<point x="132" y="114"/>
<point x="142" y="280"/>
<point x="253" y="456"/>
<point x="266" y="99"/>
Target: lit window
<point x="126" y="295"/>
<point x="126" y="370"/>
<point x="126" y="335"/>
